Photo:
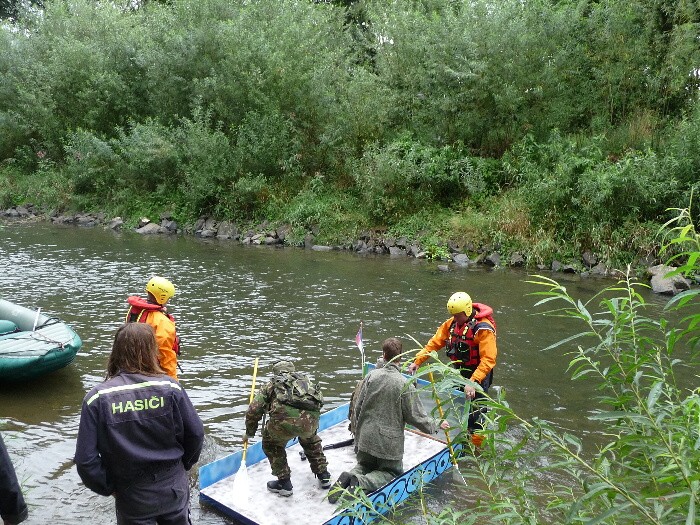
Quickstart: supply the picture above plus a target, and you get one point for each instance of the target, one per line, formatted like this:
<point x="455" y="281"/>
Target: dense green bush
<point x="269" y="145"/>
<point x="681" y="161"/>
<point x="335" y="216"/>
<point x="206" y="164"/>
<point x="92" y="163"/>
<point x="405" y="175"/>
<point x="427" y="109"/>
<point x="572" y="186"/>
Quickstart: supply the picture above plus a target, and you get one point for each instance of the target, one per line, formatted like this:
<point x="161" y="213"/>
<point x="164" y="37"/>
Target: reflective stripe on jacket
<point x="132" y="426"/>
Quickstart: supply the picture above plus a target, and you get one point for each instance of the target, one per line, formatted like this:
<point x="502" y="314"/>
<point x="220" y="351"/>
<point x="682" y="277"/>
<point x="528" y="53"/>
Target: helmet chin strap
<point x="152" y="299"/>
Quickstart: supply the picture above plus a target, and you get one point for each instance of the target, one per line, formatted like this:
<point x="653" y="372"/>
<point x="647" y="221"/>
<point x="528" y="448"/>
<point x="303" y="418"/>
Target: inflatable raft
<point x="33" y="344"/>
<point x="425" y="458"/>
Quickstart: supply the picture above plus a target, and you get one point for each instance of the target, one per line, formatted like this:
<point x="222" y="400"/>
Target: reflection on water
<point x="236" y="303"/>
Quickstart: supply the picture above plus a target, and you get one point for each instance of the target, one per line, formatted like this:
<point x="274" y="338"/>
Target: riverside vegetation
<point x="642" y="465"/>
<point x="544" y="128"/>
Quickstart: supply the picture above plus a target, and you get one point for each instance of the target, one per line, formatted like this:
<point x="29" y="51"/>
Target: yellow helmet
<point x="161" y="288"/>
<point x="460" y="302"/>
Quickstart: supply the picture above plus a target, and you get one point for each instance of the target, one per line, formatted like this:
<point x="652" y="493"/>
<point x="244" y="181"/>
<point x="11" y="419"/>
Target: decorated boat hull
<point x="426" y="458"/>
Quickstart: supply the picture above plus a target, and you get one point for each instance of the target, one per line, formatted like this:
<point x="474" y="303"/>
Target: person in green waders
<point x="293" y="403"/>
<point x="469" y="337"/>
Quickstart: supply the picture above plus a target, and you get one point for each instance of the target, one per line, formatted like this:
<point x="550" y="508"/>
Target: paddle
<point x="240" y="482"/>
<point x="456" y="472"/>
<point x="339" y="444"/>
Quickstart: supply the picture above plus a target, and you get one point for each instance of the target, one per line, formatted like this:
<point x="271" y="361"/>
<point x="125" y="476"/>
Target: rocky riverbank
<point x="369" y="242"/>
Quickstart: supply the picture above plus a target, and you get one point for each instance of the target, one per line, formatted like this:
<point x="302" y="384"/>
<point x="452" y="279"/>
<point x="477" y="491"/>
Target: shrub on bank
<point x="643" y="469"/>
<point x="437" y="113"/>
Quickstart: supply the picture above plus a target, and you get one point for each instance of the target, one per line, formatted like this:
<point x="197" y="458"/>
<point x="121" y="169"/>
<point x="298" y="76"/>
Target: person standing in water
<point x="153" y="311"/>
<point x="139" y="434"/>
<point x="470" y="339"/>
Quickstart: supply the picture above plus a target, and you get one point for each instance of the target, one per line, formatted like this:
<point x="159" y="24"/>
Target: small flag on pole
<point x="361" y="345"/>
<point x="358" y="340"/>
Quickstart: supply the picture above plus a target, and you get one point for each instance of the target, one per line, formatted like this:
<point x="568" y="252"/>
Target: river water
<point x="235" y="303"/>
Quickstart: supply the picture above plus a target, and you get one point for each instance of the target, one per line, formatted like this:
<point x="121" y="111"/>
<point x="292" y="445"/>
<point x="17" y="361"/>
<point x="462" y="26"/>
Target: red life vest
<point x="140" y="309"/>
<point x="461" y="348"/>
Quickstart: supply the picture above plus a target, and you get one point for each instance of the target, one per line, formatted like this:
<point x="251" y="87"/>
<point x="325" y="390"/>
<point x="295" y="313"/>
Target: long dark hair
<point x="134" y="351"/>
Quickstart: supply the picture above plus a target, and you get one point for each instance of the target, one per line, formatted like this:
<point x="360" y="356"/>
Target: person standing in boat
<point x="13" y="508"/>
<point x="470" y="339"/>
<point x="139" y="434"/>
<point x="385" y="403"/>
<point x="153" y="311"/>
<point x="293" y="404"/>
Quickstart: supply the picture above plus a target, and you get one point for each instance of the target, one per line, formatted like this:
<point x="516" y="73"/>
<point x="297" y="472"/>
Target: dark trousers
<point x="158" y="499"/>
<point x="477" y="410"/>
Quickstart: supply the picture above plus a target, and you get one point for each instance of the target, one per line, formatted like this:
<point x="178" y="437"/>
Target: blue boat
<point x="425" y="458"/>
<point x="33" y="344"/>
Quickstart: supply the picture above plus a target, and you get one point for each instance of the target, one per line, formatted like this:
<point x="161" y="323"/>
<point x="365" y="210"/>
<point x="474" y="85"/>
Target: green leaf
<point x="618" y="414"/>
<point x="617" y="509"/>
<point x="654" y="394"/>
<point x="568" y="339"/>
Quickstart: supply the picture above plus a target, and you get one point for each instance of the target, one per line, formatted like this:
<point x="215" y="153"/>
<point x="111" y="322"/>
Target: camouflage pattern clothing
<point x="284" y="423"/>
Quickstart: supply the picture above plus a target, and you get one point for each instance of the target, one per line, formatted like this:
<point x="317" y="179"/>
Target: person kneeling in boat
<point x="293" y="403"/>
<point x="153" y="311"/>
<point x="470" y="339"/>
<point x="139" y="434"/>
<point x="384" y="405"/>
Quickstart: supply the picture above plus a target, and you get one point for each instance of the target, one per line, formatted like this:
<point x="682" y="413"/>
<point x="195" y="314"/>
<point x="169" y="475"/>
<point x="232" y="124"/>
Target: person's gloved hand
<point x="246" y="438"/>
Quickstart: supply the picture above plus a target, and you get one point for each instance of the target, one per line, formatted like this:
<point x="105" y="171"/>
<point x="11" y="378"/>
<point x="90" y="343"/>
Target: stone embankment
<point x="369" y="242"/>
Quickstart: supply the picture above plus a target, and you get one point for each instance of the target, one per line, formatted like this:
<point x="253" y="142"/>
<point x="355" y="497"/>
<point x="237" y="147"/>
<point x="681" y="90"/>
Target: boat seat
<point x="8" y="327"/>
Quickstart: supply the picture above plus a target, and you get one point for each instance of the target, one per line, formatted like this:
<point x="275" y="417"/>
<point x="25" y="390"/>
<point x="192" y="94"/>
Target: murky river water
<point x="234" y="304"/>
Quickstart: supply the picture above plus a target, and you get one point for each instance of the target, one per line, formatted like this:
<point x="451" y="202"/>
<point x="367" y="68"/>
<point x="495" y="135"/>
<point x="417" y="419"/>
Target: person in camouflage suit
<point x="285" y="422"/>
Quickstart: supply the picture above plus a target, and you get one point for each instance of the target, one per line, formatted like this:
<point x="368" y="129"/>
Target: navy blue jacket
<point x="133" y="426"/>
<point x="13" y="509"/>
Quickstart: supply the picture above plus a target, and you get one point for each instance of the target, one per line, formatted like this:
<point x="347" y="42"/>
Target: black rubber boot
<point x="324" y="479"/>
<point x="283" y="487"/>
<point x="345" y="481"/>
